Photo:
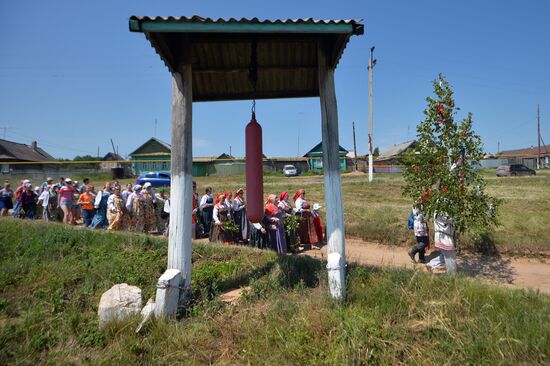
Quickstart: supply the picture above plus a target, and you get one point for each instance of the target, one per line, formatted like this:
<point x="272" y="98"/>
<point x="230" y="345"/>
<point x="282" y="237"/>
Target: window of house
<point x="164" y="165"/>
<point x="154" y="165"/>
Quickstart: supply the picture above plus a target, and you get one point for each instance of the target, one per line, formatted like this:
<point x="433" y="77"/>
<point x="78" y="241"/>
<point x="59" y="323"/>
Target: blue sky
<point x="72" y="76"/>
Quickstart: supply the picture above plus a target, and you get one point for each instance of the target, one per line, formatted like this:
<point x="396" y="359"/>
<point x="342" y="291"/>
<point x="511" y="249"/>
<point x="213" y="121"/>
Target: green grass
<point x="51" y="278"/>
<point x="378" y="212"/>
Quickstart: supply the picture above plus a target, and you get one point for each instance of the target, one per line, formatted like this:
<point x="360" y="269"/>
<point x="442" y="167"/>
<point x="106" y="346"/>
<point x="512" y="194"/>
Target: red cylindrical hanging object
<point x="254" y="171"/>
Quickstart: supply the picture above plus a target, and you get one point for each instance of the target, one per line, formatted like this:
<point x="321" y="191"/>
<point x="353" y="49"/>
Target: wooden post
<point x="181" y="190"/>
<point x="332" y="180"/>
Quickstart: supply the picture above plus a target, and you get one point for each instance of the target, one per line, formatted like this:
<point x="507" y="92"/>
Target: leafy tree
<point x="86" y="165"/>
<point x="376" y="152"/>
<point x="440" y="172"/>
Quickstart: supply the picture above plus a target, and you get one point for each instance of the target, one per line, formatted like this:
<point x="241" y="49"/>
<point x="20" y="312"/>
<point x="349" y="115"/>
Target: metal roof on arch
<point x="221" y="49"/>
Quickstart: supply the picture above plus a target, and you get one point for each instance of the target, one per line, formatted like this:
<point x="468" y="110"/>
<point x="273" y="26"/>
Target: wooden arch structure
<point x="209" y="61"/>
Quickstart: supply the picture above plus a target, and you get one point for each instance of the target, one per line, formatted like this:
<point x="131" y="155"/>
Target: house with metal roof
<point x="315" y="158"/>
<point x="116" y="165"/>
<point x="528" y="156"/>
<point x="152" y="156"/>
<point x="17" y="156"/>
<point x="394" y="152"/>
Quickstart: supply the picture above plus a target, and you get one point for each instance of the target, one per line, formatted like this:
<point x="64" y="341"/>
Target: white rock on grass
<point x="118" y="302"/>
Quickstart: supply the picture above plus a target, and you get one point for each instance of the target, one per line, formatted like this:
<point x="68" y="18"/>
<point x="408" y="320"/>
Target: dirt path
<point x="514" y="272"/>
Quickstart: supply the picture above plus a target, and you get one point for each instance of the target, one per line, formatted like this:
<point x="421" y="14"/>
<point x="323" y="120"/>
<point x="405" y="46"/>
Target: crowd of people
<point x="222" y="218"/>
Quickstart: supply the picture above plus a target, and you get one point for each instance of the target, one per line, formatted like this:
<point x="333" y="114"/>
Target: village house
<point x="390" y="159"/>
<point x="528" y="156"/>
<point x="20" y="158"/>
<point x="315" y="158"/>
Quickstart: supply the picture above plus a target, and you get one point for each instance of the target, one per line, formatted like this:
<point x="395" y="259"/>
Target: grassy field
<point x="51" y="279"/>
<point x="378" y="212"/>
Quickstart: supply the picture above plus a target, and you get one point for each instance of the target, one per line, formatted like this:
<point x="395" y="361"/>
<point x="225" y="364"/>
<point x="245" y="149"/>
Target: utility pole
<point x="98" y="151"/>
<point x="498" y="147"/>
<point x="229" y="150"/>
<point x="372" y="62"/>
<point x="354" y="146"/>
<point x="538" y="127"/>
<point x="155" y="135"/>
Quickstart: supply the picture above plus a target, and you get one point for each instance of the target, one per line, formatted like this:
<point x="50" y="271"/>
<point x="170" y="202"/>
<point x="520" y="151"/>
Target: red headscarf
<point x="227" y="193"/>
<point x="217" y="200"/>
<point x="297" y="194"/>
<point x="283" y="196"/>
<point x="270" y="208"/>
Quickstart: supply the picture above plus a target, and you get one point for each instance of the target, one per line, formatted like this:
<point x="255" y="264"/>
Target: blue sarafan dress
<point x="277" y="237"/>
<point x="100" y="218"/>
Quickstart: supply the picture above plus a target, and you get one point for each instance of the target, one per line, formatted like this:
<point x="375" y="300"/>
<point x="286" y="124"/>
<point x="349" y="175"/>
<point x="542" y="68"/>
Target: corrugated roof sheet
<point x="220" y="56"/>
<point x="533" y="150"/>
<point x="395" y="150"/>
<point x="198" y="18"/>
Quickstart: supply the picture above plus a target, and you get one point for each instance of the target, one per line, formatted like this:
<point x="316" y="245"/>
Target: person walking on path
<point x="277" y="238"/>
<point x="306" y="230"/>
<point x="421" y="233"/>
<point x="28" y="201"/>
<point x="6" y="199"/>
<point x="159" y="208"/>
<point x="44" y="201"/>
<point x="240" y="217"/>
<point x="207" y="209"/>
<point x="148" y="198"/>
<point x="444" y="240"/>
<point x="86" y="199"/>
<point x="100" y="220"/>
<point x="66" y="201"/>
<point x="17" y="194"/>
<point x="117" y="212"/>
<point x="220" y="215"/>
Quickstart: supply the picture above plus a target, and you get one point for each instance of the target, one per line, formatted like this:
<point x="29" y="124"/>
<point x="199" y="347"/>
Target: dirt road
<point x="514" y="272"/>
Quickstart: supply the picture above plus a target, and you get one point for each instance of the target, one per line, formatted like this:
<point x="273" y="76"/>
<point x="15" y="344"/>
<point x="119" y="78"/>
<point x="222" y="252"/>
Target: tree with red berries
<point x="441" y="171"/>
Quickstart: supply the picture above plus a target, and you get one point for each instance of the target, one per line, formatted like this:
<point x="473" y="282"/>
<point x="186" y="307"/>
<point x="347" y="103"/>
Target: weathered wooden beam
<point x="181" y="190"/>
<point x="332" y="179"/>
<point x="269" y="94"/>
<point x="243" y="69"/>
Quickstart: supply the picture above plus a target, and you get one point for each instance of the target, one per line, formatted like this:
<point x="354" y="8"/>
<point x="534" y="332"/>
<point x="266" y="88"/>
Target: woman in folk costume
<point x="319" y="229"/>
<point x="307" y="232"/>
<point x="220" y="214"/>
<point x="117" y="212"/>
<point x="100" y="219"/>
<point x="286" y="208"/>
<point x="240" y="217"/>
<point x="207" y="208"/>
<point x="159" y="208"/>
<point x="196" y="231"/>
<point x="138" y="210"/>
<point x="148" y="198"/>
<point x="229" y="202"/>
<point x="445" y="241"/>
<point x="147" y="206"/>
<point x="259" y="234"/>
<point x="276" y="228"/>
